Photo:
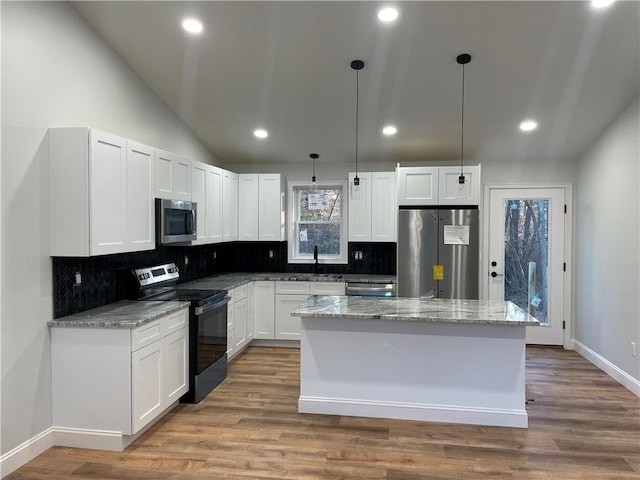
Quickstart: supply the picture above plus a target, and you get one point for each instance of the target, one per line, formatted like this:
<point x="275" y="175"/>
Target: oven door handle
<point x="210" y="306"/>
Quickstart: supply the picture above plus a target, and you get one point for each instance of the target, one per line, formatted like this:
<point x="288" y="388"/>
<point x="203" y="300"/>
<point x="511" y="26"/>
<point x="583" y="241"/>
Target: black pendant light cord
<point x="461" y="178"/>
<point x="462" y="59"/>
<point x="357" y="65"/>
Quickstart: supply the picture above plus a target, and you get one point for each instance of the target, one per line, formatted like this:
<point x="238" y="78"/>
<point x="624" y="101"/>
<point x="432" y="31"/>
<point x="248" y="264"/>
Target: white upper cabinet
<point x="452" y="192"/>
<point x="417" y="185"/>
<point x="214" y="204"/>
<point x="248" y="200"/>
<point x="229" y="206"/>
<point x="100" y="193"/>
<point x="199" y="192"/>
<point x="173" y="176"/>
<point x="372" y="207"/>
<point x="438" y="186"/>
<point x="271" y="205"/>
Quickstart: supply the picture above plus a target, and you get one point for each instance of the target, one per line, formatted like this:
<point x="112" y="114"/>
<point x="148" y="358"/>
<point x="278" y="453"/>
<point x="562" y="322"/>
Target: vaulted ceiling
<point x="285" y="67"/>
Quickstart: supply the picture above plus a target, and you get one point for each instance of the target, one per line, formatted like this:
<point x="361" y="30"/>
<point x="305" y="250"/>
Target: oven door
<point x="208" y="349"/>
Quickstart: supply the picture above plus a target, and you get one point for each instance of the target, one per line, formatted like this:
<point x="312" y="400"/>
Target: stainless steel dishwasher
<point x="377" y="289"/>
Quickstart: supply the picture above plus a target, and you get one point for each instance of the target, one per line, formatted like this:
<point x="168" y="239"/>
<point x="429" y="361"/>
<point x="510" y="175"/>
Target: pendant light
<point x="313" y="157"/>
<point x="357" y="65"/>
<point x="462" y="59"/>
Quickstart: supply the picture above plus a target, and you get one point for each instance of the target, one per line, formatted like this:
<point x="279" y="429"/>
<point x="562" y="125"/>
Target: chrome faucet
<point x="316" y="267"/>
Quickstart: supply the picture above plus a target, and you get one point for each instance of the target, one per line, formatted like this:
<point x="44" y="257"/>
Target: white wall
<point x="56" y="71"/>
<point x="607" y="263"/>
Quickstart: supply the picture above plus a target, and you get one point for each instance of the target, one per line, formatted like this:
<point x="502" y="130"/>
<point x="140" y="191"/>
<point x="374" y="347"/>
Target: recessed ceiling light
<point x="389" y="130"/>
<point x="261" y="133"/>
<point x="192" y="25"/>
<point x="387" y="14"/>
<point x="601" y="3"/>
<point x="528" y="125"/>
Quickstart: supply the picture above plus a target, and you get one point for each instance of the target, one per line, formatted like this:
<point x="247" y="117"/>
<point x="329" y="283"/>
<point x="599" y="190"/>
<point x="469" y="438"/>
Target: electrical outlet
<point x="186" y="260"/>
<point x="270" y="253"/>
<point x="214" y="254"/>
<point x="357" y="255"/>
<point x="77" y="279"/>
<point x="633" y="349"/>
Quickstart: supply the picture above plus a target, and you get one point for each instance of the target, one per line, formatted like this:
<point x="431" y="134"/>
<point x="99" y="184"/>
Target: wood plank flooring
<point x="582" y="426"/>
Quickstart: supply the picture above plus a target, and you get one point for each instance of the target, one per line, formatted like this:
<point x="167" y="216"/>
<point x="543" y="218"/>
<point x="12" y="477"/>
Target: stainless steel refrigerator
<point x="438" y="253"/>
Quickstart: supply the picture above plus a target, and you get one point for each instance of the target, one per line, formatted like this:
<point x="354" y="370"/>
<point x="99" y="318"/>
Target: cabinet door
<point x="108" y="193"/>
<point x="288" y="327"/>
<point x="229" y="206"/>
<point x="250" y="310"/>
<point x="176" y="366"/>
<point x="231" y="325"/>
<point x="360" y="208"/>
<point x="173" y="176"/>
<point x="140" y="197"/>
<point x="147" y="386"/>
<point x="417" y="185"/>
<point x="384" y="207"/>
<point x="248" y="207"/>
<point x="271" y="208"/>
<point x="240" y="321"/>
<point x="451" y="192"/>
<point x="199" y="195"/>
<point x="214" y="204"/>
<point x="264" y="310"/>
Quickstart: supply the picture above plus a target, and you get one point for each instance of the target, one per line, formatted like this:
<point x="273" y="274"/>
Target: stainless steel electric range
<point x="207" y="325"/>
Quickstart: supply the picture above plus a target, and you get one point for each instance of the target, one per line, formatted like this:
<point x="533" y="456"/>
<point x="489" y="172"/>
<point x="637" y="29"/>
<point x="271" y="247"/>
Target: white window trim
<point x="291" y="230"/>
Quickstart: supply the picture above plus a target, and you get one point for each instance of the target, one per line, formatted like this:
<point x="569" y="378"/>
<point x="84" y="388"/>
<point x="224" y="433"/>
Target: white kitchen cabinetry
<point x="373" y="207"/>
<point x="199" y="195"/>
<point x="264" y="310"/>
<point x="100" y="193"/>
<point x="214" y="204"/>
<point x="261" y="207"/>
<point x="438" y="186"/>
<point x="326" y="288"/>
<point x="238" y="320"/>
<point x="138" y="374"/>
<point x="248" y="201"/>
<point x="250" y="312"/>
<point x="229" y="206"/>
<point x="271" y="207"/>
<point x="206" y="191"/>
<point x="451" y="192"/>
<point x="288" y="296"/>
<point x="173" y="176"/>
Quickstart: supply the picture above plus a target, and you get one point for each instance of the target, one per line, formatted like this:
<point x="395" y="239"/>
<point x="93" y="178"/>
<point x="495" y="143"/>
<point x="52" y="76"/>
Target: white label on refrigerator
<point x="456" y="235"/>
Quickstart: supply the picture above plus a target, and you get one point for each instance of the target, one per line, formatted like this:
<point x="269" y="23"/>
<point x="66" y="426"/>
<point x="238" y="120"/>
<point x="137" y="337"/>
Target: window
<point x="318" y="219"/>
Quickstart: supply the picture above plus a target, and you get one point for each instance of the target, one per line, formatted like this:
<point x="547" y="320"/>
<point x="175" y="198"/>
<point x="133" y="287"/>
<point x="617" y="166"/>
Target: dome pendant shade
<point x="462" y="59"/>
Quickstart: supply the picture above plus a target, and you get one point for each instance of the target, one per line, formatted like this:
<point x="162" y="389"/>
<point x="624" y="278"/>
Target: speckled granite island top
<point x="433" y="310"/>
<point x="123" y="314"/>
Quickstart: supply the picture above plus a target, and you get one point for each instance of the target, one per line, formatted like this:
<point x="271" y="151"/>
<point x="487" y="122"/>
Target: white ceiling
<point x="285" y="66"/>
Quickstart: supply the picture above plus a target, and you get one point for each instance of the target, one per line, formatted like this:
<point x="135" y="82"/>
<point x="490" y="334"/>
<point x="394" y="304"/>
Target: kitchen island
<point x="458" y="361"/>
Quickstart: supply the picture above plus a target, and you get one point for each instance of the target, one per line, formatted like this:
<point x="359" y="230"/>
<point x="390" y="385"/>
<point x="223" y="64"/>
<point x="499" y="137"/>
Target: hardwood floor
<point x="582" y="425"/>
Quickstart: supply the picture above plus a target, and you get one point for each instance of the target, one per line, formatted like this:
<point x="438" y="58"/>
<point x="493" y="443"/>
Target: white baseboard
<point x="406" y="411"/>
<point x="92" y="439"/>
<point x="609" y="368"/>
<point x="25" y="452"/>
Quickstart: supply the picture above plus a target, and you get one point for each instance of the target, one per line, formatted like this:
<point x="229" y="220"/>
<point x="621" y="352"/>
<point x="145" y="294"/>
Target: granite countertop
<point x="123" y="314"/>
<point x="233" y="280"/>
<point x="436" y="310"/>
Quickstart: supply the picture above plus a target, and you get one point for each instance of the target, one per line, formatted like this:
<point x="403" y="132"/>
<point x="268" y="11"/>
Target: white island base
<point x="439" y="372"/>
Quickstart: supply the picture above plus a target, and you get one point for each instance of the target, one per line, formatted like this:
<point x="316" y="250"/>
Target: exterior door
<point x="526" y="256"/>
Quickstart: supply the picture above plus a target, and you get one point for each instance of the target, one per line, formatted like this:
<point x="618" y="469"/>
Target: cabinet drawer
<point x="294" y="288"/>
<point x="175" y="321"/>
<point x="146" y="334"/>
<point x="327" y="288"/>
<point x="239" y="293"/>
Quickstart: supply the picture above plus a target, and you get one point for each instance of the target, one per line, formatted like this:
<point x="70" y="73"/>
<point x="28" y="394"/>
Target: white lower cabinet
<point x="238" y="320"/>
<point x="288" y="296"/>
<point x="264" y="309"/>
<point x="117" y="380"/>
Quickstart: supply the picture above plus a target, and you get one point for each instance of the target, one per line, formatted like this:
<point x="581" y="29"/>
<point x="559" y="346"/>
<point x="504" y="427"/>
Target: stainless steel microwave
<point x="175" y="221"/>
